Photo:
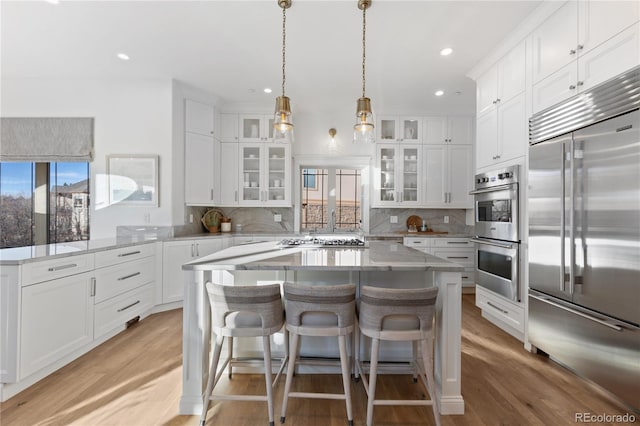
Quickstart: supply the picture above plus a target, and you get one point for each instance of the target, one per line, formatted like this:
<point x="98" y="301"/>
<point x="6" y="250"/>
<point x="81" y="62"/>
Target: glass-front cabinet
<point x="258" y="128"/>
<point x="399" y="129"/>
<point x="398" y="177"/>
<point x="265" y="174"/>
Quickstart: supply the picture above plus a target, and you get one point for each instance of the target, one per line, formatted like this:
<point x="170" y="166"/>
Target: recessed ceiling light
<point x="439" y="93"/>
<point x="53" y="1"/>
<point x="267" y="90"/>
<point x="123" y="56"/>
<point x="446" y="51"/>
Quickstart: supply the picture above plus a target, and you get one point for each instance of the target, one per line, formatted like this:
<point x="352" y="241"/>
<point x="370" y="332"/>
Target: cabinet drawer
<point x="52" y="269"/>
<point x="464" y="257"/>
<point x="116" y="312"/>
<point x="509" y="313"/>
<point x="124" y="254"/>
<point x="452" y="243"/>
<point x="117" y="279"/>
<point x="469" y="277"/>
<point x="416" y="242"/>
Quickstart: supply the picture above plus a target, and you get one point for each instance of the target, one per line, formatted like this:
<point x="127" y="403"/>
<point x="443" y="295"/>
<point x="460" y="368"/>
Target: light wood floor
<point x="135" y="380"/>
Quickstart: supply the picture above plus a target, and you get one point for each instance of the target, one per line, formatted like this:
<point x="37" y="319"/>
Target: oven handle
<point x="492" y="189"/>
<point x="492" y="243"/>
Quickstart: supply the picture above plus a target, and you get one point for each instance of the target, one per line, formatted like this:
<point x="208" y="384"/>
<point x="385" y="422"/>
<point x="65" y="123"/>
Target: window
<point x="328" y="196"/>
<point x="43" y="203"/>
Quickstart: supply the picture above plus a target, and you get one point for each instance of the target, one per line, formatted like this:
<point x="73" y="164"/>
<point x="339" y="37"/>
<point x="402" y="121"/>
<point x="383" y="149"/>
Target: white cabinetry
<point x="456" y="250"/>
<point x="399" y="129"/>
<point x="449" y="172"/>
<point x="504" y="313"/>
<point x="56" y="320"/>
<point x="255" y="128"/>
<point x="581" y="45"/>
<point x="447" y="130"/>
<point x="398" y="176"/>
<point x="228" y="174"/>
<point x="228" y="127"/>
<point x="265" y="174"/>
<point x="202" y="154"/>
<point x="177" y="253"/>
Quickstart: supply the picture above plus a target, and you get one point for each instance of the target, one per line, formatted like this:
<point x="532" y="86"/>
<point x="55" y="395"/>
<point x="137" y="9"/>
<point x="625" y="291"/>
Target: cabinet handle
<point x="129" y="306"/>
<point x="126" y="277"/>
<point x="236" y="195"/>
<point x="192" y="250"/>
<point x="211" y="132"/>
<point x="198" y="250"/>
<point x="498" y="100"/>
<point x="131" y="253"/>
<point x="493" y="102"/>
<point x="212" y="193"/>
<point x="572" y="87"/>
<point x="580" y="83"/>
<point x="464" y="277"/>
<point x="457" y="257"/>
<point x="92" y="292"/>
<point x="416" y="242"/>
<point x="580" y="47"/>
<point x="60" y="268"/>
<point x="572" y="52"/>
<point x="457" y="242"/>
<point x="498" y="157"/>
<point x="495" y="307"/>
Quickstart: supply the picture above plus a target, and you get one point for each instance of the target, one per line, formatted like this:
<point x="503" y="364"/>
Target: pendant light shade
<point x="363" y="130"/>
<point x="282" y="122"/>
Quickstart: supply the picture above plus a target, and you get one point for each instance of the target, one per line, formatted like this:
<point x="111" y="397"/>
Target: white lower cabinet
<point x="56" y="320"/>
<point x="177" y="253"/>
<point x="505" y="314"/>
<point x="115" y="312"/>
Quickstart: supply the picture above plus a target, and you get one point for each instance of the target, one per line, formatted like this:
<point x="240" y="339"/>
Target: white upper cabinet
<point x="228" y="174"/>
<point x="503" y="81"/>
<point x="229" y="127"/>
<point x="444" y="130"/>
<point x="403" y="129"/>
<point x="398" y="176"/>
<point x="255" y="128"/>
<point x="448" y="176"/>
<point x="265" y="174"/>
<point x="199" y="118"/>
<point x="600" y="20"/>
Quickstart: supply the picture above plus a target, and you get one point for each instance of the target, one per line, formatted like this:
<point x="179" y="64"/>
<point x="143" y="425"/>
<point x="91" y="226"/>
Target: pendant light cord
<point x="364" y="32"/>
<point x="284" y="40"/>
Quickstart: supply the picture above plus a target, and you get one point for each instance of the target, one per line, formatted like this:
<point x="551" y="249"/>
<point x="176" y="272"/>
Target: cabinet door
<point x="252" y="128"/>
<point x="56" y="320"/>
<point x="555" y="41"/>
<point x="229" y="174"/>
<point x="410" y="131"/>
<point x="559" y="86"/>
<point x="435" y="171"/>
<point x="511" y="74"/>
<point x="460" y="175"/>
<point x="486" y="138"/>
<point x="609" y="59"/>
<point x="411" y="175"/>
<point x="199" y="118"/>
<point x="251" y="172"/>
<point x="601" y="20"/>
<point x="174" y="255"/>
<point x="385" y="183"/>
<point x="512" y="129"/>
<point x="201" y="182"/>
<point x="205" y="247"/>
<point x="435" y="130"/>
<point x="486" y="91"/>
<point x="229" y="127"/>
<point x="460" y="130"/>
<point x="388" y="129"/>
<point x="278" y="174"/>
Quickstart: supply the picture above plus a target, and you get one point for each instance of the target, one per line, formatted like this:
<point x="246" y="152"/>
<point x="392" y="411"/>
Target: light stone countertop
<point x="379" y="256"/>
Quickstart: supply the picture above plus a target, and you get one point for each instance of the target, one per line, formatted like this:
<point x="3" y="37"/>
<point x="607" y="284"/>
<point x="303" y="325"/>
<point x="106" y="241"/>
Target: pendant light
<point x="282" y="123"/>
<point x="363" y="129"/>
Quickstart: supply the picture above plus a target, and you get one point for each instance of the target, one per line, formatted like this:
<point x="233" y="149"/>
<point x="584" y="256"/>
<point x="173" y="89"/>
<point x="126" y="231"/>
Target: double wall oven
<point x="496" y="227"/>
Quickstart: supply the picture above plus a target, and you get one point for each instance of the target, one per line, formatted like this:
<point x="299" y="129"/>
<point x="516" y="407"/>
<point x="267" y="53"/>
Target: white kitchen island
<point x="380" y="264"/>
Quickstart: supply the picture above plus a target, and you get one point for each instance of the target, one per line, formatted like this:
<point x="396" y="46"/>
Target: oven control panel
<point x="504" y="176"/>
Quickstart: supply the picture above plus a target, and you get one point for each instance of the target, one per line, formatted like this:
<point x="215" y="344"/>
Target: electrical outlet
<point x="277" y="218"/>
<point x="393" y="219"/>
<point x="446" y="219"/>
<point x="191" y="218"/>
<point x="147" y="217"/>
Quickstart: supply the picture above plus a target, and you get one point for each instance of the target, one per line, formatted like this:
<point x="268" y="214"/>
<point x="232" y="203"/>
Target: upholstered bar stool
<point x="243" y="311"/>
<point x="398" y="315"/>
<point x="319" y="310"/>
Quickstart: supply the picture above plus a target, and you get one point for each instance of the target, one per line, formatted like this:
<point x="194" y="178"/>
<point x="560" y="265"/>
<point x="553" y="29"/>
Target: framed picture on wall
<point x="133" y="179"/>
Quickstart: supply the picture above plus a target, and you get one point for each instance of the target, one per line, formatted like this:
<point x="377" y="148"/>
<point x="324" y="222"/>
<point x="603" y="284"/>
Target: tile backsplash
<point x="379" y="222"/>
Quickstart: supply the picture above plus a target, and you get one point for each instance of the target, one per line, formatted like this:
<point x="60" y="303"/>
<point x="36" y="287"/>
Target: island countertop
<point x="378" y="256"/>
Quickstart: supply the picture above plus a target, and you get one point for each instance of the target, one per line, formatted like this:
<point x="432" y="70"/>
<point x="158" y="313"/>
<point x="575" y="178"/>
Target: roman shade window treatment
<point x="46" y="139"/>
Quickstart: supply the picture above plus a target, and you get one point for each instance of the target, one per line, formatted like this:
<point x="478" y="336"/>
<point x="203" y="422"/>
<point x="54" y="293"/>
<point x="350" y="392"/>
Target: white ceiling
<point x="229" y="48"/>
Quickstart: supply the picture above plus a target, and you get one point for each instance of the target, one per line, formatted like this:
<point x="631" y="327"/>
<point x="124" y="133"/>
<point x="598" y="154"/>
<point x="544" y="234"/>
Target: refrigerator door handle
<point x="563" y="275"/>
<point x="575" y="312"/>
<point x="572" y="215"/>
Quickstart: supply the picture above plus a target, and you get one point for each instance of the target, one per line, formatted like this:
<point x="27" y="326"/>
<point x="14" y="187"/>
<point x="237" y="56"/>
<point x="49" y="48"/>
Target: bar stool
<point x="319" y="310"/>
<point x="398" y="315"/>
<point x="243" y="311"/>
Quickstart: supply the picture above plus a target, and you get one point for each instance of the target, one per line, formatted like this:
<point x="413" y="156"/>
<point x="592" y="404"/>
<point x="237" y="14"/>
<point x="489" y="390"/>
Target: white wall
<point x="131" y="117"/>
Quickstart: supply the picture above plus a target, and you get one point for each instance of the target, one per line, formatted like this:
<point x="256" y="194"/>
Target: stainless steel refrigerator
<point x="584" y="235"/>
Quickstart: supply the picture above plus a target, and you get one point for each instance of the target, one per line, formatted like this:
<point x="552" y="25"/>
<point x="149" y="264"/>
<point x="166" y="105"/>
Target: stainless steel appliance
<point x="496" y="228"/>
<point x="584" y="235"/>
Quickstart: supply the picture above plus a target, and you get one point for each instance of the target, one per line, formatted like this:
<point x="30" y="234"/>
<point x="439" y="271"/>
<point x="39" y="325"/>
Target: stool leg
<point x="266" y="343"/>
<point x="356" y="351"/>
<point x="344" y="363"/>
<point x="230" y="353"/>
<point x="373" y="373"/>
<point x="414" y="345"/>
<point x="427" y="347"/>
<point x="212" y="375"/>
<point x="293" y="355"/>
